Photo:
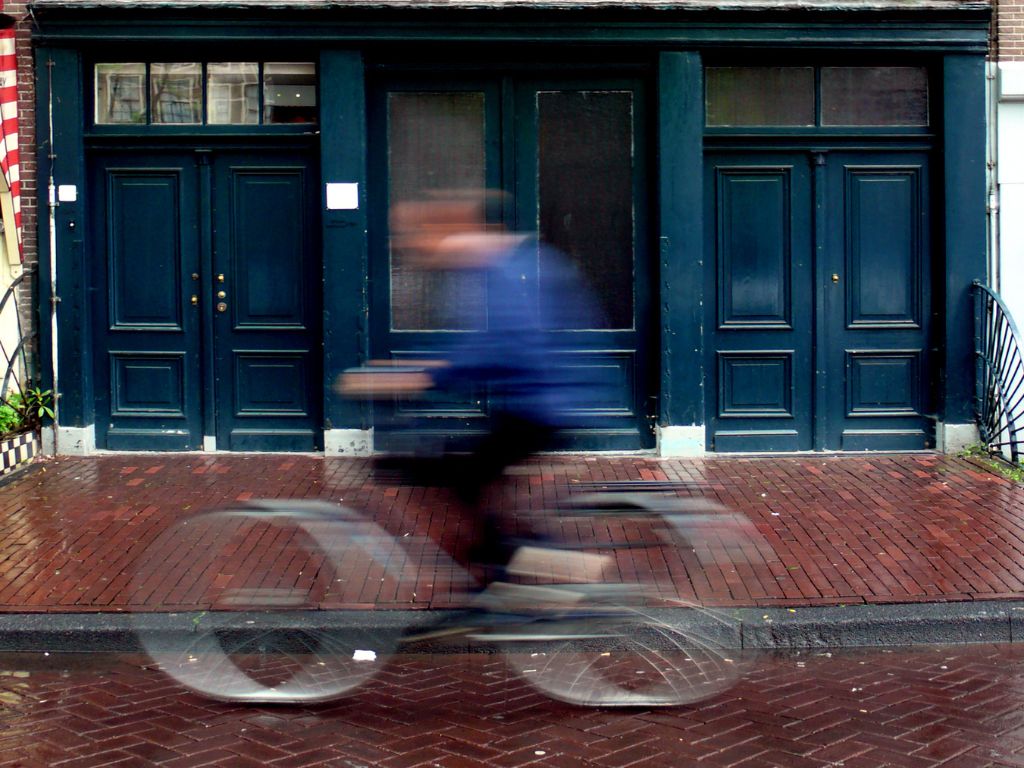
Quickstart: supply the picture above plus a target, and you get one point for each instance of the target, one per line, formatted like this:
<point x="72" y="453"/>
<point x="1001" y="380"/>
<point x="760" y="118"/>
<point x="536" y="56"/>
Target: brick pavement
<point x="834" y="530"/>
<point x="940" y="706"/>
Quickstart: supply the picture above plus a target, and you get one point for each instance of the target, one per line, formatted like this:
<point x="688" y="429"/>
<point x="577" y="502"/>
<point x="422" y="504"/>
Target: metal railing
<point x="16" y="344"/>
<point x="999" y="401"/>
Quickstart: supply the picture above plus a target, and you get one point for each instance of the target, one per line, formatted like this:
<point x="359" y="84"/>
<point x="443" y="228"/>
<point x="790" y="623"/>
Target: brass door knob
<point x="221" y="294"/>
<point x="195" y="300"/>
<point x="835" y="277"/>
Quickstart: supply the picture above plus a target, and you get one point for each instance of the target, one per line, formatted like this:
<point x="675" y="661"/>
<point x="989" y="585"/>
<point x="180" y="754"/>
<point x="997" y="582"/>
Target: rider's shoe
<point x="558" y="565"/>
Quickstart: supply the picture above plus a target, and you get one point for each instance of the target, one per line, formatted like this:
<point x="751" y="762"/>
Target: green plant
<point x="23" y="411"/>
<point x="975" y="449"/>
<point x="994" y="463"/>
<point x="36" y="405"/>
<point x="10" y="419"/>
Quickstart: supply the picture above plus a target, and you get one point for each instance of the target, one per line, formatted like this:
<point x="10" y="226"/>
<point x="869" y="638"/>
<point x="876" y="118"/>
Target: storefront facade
<point x="780" y="208"/>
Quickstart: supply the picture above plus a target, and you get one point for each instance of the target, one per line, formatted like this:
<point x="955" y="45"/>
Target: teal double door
<point x="818" y="272"/>
<point x="571" y="154"/>
<point x="206" y="310"/>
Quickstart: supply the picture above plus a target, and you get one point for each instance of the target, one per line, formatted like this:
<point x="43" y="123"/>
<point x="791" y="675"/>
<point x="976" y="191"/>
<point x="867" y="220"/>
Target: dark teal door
<point x="206" y="313"/>
<point x="819" y="271"/>
<point x="148" y="372"/>
<point x="760" y="302"/>
<point x="572" y="152"/>
<point x="876" y="283"/>
<point x="266" y="326"/>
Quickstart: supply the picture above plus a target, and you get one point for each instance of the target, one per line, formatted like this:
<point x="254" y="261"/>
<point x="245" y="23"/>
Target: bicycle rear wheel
<point x="629" y="658"/>
<point x="248" y="584"/>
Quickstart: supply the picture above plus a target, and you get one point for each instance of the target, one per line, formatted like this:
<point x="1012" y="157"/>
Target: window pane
<point x="176" y="93"/>
<point x="289" y="92"/>
<point x="120" y="93"/>
<point x="874" y="96"/>
<point x="233" y="94"/>
<point x="760" y="96"/>
<point x="436" y="143"/>
<point x="585" y="186"/>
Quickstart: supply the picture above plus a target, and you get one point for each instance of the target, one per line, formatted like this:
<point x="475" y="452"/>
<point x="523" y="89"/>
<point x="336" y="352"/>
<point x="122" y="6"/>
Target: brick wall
<point x="1009" y="21"/>
<point x="27" y="165"/>
<point x="26" y="126"/>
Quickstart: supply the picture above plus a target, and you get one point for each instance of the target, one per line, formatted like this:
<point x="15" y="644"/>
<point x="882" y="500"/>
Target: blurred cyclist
<point x="532" y="392"/>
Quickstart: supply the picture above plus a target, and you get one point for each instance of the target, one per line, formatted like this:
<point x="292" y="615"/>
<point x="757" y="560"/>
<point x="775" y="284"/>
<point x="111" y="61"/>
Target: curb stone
<point x="997" y="621"/>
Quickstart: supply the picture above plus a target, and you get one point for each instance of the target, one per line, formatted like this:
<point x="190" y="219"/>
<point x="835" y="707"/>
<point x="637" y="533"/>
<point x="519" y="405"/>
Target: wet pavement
<point x="881" y="533"/>
<point x="832" y="531"/>
<point x="956" y="706"/>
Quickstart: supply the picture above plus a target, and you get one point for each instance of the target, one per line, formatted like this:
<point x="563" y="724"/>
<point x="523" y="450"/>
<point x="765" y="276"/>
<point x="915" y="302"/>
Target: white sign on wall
<point x="342" y="196"/>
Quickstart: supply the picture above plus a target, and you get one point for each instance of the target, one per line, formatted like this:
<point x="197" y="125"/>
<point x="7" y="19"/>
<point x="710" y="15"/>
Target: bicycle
<point x="261" y="585"/>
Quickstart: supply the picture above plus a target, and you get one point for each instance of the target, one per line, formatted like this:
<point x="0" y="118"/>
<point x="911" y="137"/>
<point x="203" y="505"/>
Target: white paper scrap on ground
<point x="364" y="656"/>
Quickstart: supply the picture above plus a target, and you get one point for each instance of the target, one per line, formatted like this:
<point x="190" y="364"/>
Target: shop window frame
<point x="93" y="128"/>
<point x="820" y="130"/>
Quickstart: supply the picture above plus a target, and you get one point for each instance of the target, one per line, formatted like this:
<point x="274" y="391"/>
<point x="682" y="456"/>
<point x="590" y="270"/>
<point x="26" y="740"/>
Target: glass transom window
<point x="809" y="97"/>
<point x="204" y="93"/>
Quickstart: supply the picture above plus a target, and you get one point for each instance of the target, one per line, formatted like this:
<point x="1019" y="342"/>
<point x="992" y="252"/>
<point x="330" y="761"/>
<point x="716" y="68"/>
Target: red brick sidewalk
<point x="956" y="707"/>
<point x="908" y="528"/>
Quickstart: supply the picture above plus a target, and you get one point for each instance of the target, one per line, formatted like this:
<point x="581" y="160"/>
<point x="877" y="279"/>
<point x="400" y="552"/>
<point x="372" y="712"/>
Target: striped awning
<point x="9" y="122"/>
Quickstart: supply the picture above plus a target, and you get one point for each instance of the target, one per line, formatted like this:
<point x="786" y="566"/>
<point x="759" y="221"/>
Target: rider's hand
<point x="383" y="383"/>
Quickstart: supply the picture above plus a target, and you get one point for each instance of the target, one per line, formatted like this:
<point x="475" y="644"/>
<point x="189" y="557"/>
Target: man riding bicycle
<point x="533" y="393"/>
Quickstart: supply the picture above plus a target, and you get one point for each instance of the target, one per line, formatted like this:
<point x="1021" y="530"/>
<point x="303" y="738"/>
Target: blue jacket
<point x="517" y="357"/>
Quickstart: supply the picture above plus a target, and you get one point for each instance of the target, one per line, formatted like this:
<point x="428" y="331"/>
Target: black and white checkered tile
<point x="16" y="450"/>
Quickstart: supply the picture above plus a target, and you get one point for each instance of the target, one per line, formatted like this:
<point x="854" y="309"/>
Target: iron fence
<point x="999" y="401"/>
<point x="16" y="343"/>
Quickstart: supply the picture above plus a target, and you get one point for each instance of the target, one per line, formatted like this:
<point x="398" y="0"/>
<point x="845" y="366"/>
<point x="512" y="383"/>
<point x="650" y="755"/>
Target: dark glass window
<point x="289" y="92"/>
<point x="862" y="96"/>
<point x="760" y="96"/>
<point x="585" y="189"/>
<point x="436" y="148"/>
<point x="874" y="96"/>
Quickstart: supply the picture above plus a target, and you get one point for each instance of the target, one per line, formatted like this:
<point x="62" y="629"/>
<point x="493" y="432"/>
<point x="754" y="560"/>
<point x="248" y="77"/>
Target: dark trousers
<point x="510" y="440"/>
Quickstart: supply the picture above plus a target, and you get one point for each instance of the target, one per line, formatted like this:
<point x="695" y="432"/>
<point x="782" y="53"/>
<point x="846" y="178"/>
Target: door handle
<point x="835" y="277"/>
<point x="221" y="294"/>
<point x="195" y="300"/>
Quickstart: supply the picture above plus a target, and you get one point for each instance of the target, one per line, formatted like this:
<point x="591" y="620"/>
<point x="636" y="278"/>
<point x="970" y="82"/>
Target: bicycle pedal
<point x="505" y="597"/>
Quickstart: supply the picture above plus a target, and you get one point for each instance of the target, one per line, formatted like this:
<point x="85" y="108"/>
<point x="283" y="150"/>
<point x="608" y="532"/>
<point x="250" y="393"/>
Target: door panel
<point x="147" y="382"/>
<point x="266" y="327"/>
<point x="877" y="313"/>
<point x="173" y="230"/>
<point x="145" y="209"/>
<point x="759" y="242"/>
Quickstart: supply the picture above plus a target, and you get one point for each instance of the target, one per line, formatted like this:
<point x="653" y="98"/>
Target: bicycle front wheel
<point x="248" y="585"/>
<point x="629" y="659"/>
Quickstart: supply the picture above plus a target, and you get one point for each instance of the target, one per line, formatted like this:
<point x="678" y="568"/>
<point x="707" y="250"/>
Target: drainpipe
<point x="992" y="172"/>
<point x="54" y="296"/>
